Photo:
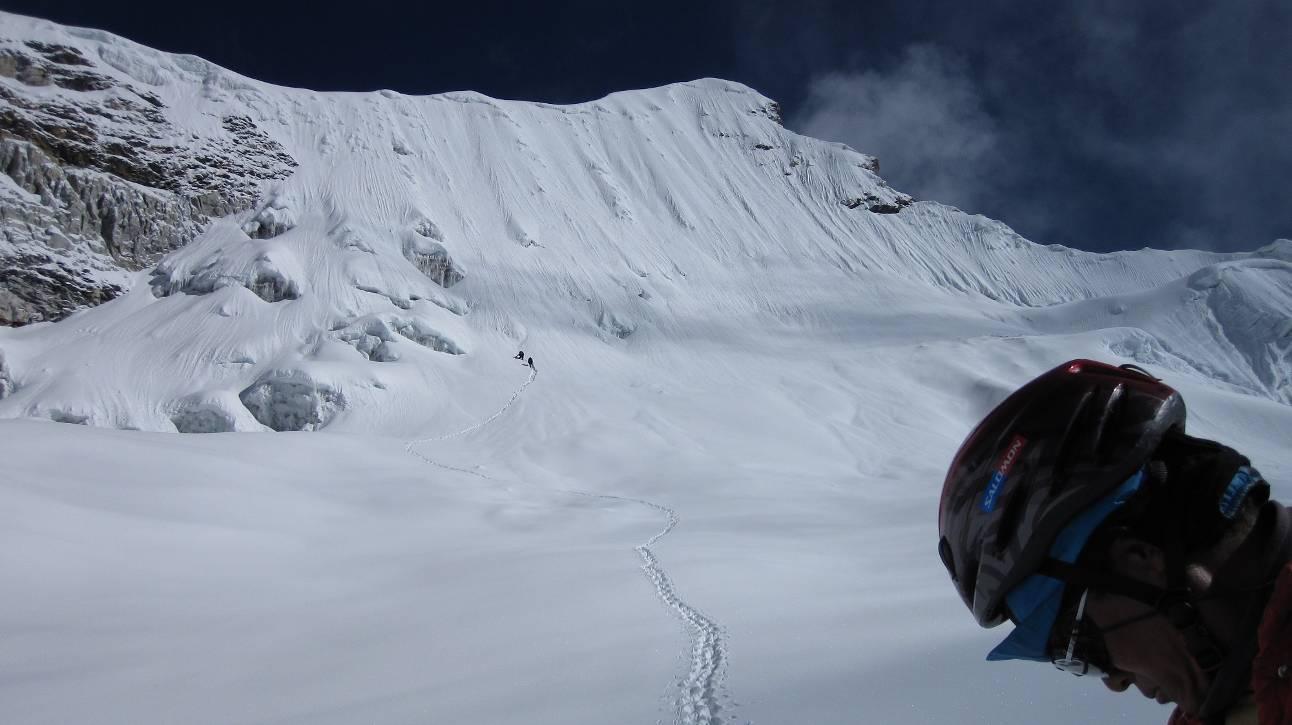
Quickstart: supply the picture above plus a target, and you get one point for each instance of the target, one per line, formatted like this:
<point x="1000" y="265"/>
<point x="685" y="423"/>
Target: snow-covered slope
<point x="754" y="362"/>
<point x="423" y="228"/>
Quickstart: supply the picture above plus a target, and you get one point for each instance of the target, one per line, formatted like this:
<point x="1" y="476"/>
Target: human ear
<point x="1138" y="559"/>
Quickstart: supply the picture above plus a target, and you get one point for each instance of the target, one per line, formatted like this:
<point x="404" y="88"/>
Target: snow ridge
<point x="699" y="701"/>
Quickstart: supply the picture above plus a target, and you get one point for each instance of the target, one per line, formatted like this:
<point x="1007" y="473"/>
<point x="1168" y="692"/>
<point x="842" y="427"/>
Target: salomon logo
<point x="997" y="484"/>
<point x="1237" y="490"/>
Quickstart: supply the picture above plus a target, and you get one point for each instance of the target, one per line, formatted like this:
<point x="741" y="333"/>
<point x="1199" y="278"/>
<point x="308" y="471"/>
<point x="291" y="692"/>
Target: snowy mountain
<point x="743" y="337"/>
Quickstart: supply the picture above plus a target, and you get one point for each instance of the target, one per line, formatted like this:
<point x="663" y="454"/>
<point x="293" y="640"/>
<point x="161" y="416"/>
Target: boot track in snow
<point x="699" y="700"/>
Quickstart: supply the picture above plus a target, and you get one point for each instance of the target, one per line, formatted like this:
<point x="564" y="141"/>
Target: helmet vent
<point x="1068" y="444"/>
<point x="1109" y="445"/>
<point x="1009" y="520"/>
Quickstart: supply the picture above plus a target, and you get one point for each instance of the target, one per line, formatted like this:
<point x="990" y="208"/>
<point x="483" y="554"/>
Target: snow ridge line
<point x="699" y="701"/>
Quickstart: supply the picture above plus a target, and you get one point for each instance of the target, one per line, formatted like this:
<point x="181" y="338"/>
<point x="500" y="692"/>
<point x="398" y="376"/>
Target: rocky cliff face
<point x="98" y="181"/>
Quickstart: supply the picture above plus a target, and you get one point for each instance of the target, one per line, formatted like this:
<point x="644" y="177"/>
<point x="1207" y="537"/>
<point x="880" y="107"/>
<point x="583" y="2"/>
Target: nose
<point x="1119" y="681"/>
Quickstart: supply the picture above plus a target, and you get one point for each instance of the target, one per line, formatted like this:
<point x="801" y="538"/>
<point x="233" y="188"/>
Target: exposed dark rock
<point x="42" y="71"/>
<point x="115" y="181"/>
<point x="879" y="206"/>
<point x="40" y="289"/>
<point x="762" y="147"/>
<point x="883" y="208"/>
<point x="135" y="227"/>
<point x="132" y="140"/>
<point x="65" y="249"/>
<point x="771" y="110"/>
<point x="61" y="54"/>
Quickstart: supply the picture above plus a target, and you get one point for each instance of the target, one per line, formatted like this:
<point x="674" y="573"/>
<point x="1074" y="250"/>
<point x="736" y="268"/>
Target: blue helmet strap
<point x="1081" y="577"/>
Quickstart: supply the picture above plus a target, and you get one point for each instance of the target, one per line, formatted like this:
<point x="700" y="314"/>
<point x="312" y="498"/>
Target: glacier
<point x="713" y="500"/>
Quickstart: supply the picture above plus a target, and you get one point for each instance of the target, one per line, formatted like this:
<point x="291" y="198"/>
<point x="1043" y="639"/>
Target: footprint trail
<point x="700" y="700"/>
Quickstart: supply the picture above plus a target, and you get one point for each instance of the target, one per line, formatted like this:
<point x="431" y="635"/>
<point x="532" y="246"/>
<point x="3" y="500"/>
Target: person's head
<point x="1079" y="510"/>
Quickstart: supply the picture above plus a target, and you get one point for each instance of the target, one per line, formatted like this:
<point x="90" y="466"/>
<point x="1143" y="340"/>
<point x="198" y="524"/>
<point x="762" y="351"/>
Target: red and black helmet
<point x="1052" y="449"/>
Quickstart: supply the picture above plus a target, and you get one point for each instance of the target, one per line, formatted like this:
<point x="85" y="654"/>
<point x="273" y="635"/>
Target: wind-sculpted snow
<point x="1228" y="322"/>
<point x="1251" y="304"/>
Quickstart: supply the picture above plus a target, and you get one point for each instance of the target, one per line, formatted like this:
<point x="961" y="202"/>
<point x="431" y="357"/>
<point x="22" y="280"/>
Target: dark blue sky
<point x="1099" y="124"/>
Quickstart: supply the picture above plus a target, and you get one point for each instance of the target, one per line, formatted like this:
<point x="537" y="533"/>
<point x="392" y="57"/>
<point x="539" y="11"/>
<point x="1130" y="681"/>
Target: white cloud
<point x="923" y="118"/>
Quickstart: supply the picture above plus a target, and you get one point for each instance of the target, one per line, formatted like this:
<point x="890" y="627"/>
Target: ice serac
<point x="290" y="400"/>
<point x="6" y="380"/>
<point x="357" y="250"/>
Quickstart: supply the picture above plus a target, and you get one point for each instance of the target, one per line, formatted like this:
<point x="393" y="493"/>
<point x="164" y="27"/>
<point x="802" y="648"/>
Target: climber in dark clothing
<point x="520" y="355"/>
<point x="531" y="364"/>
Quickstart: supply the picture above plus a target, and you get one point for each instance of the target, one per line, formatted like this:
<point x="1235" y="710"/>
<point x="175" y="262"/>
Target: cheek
<point x="1155" y="654"/>
<point x="1142" y="648"/>
<point x="1130" y="655"/>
